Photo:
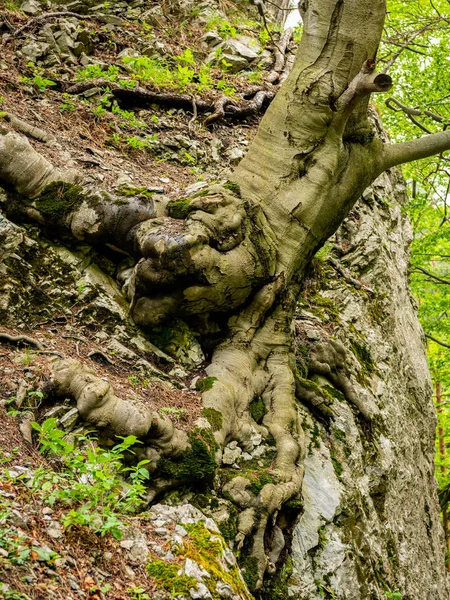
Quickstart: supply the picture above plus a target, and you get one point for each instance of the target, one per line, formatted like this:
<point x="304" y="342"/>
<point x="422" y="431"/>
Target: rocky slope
<point x="368" y="523"/>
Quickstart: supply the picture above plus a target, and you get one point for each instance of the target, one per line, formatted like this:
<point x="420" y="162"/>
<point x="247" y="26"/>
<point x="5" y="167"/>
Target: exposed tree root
<point x="21" y="339"/>
<point x="280" y="56"/>
<point x="35" y="132"/>
<point x="139" y="97"/>
<point x="97" y="404"/>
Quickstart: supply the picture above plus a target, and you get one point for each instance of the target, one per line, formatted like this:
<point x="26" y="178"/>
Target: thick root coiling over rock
<point x="25" y="170"/>
<point x="210" y="262"/>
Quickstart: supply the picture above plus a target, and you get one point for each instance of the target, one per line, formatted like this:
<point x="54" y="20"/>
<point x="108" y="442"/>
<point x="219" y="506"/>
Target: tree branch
<point x="429" y="274"/>
<point x="405" y="152"/>
<point x="433" y="339"/>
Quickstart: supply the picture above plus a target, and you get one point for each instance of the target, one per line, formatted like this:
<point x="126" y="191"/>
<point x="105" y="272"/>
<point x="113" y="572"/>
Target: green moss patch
<point x="196" y="464"/>
<point x="214" y="417"/>
<point x="257" y="410"/>
<point x="58" y="199"/>
<point x="233" y="187"/>
<point x="179" y="209"/>
<point x="203" y="385"/>
<point x="166" y="578"/>
<point x="249" y="569"/>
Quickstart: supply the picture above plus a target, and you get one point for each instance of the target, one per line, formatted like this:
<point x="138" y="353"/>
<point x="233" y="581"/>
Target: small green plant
<point x="176" y="413"/>
<point x="35" y="398"/>
<point x="138" y="593"/>
<point x="98" y="111"/>
<point x="68" y="105"/>
<point x="95" y="486"/>
<point x="27" y="357"/>
<point x="38" y="81"/>
<point x="393" y="595"/>
<point x="97" y="72"/>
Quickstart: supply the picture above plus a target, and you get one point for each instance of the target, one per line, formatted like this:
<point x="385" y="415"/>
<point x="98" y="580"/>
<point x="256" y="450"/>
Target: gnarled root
<point x="97" y="404"/>
<point x="210" y="262"/>
<point x="259" y="363"/>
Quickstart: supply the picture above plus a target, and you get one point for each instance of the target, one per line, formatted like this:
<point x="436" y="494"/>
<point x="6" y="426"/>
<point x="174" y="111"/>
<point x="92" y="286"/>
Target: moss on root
<point x="213" y="416"/>
<point x="257" y="410"/>
<point x="249" y="570"/>
<point x="58" y="199"/>
<point x="203" y="385"/>
<point x="196" y="464"/>
<point x="233" y="187"/>
<point x="277" y="587"/>
<point x="179" y="209"/>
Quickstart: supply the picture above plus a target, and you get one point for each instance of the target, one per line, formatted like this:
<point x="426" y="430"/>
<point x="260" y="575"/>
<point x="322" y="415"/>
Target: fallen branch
<point x="21" y="339"/>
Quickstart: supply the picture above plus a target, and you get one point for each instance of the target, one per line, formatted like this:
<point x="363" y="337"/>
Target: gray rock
<point x="54" y="530"/>
<point x="238" y="49"/>
<point x="231" y="63"/>
<point x="201" y="592"/>
<point x="69" y="420"/>
<point x="212" y="38"/>
<point x="31" y="7"/>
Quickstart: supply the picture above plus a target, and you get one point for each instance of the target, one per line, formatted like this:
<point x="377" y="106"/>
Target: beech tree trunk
<point x="233" y="258"/>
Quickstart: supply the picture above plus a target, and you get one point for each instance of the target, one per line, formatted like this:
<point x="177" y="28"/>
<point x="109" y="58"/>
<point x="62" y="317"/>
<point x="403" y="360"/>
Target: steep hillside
<point x="151" y="102"/>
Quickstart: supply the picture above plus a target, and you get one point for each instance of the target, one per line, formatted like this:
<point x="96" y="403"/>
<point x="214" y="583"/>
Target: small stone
<point x="129" y="572"/>
<point x="195" y="187"/>
<point x="212" y="38"/>
<point x="180" y="530"/>
<point x="161" y="531"/>
<point x="193" y="569"/>
<point x="225" y="590"/>
<point x="164" y="179"/>
<point x="54" y="530"/>
<point x="127" y="544"/>
<point x="201" y="592"/>
<point x="107" y="555"/>
<point x="69" y="420"/>
<point x="235" y="155"/>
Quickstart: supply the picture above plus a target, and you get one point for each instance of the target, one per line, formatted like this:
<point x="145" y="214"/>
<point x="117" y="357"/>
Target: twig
<point x="21" y="339"/>
<point x="194" y="115"/>
<point x="432" y="275"/>
<point x="346" y="275"/>
<point x="430" y="337"/>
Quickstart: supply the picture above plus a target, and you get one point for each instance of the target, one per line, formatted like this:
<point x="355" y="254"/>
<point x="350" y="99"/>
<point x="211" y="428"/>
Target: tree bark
<point x="442" y="467"/>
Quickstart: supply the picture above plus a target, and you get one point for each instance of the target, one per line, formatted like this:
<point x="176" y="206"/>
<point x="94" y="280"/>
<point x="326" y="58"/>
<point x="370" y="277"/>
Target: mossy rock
<point x="166" y="577"/>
